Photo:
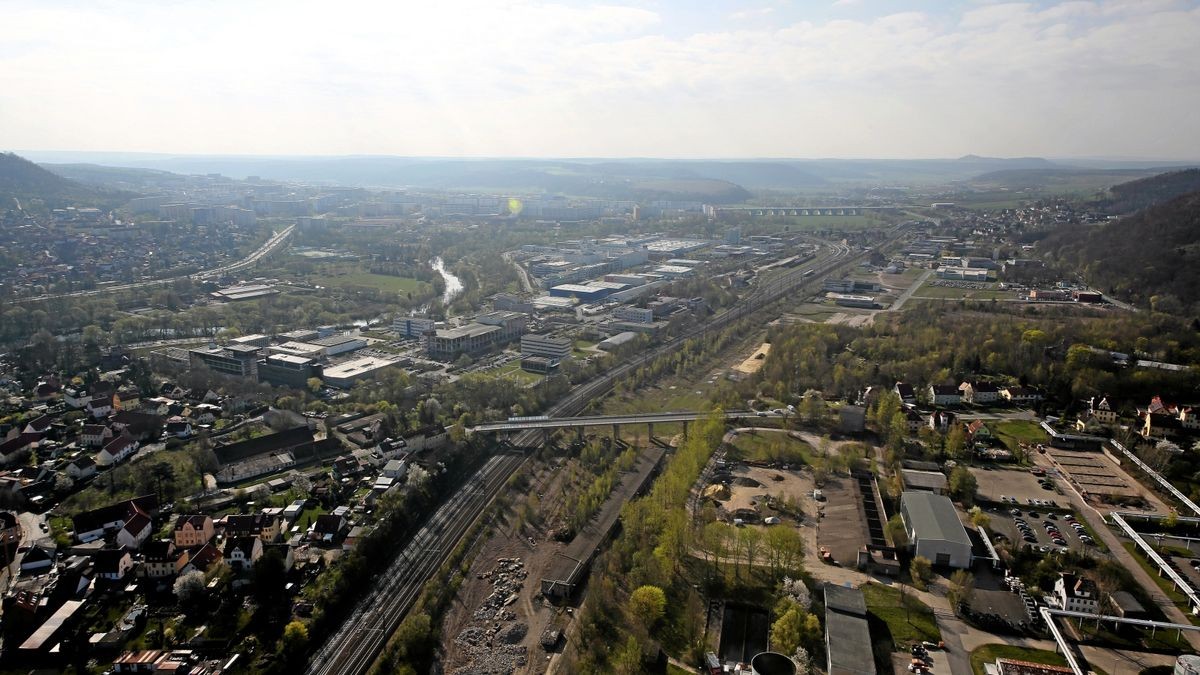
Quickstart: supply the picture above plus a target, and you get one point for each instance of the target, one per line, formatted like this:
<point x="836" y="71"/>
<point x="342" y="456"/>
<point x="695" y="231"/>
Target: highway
<point x="356" y="644"/>
<point x="276" y="241"/>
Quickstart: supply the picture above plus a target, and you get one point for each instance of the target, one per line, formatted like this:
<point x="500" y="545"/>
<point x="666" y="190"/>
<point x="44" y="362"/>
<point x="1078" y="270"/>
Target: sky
<point x="652" y="78"/>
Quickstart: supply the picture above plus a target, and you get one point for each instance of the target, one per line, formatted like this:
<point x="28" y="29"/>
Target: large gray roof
<point x="933" y="517"/>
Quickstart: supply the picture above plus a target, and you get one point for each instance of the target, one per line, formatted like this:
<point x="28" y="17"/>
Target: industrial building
<point x="634" y="314"/>
<point x="548" y="346"/>
<point x="584" y="293"/>
<point x="934" y="530"/>
<point x="847" y="632"/>
<point x="844" y="300"/>
<point x="285" y="370"/>
<point x="615" y="341"/>
<point x="409" y="326"/>
<point x="235" y="360"/>
<point x="490" y="329"/>
<point x="339" y="344"/>
<point x="962" y="273"/>
<point x="344" y="375"/>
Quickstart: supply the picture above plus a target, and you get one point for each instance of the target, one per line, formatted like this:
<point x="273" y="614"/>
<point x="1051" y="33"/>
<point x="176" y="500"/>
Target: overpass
<point x="515" y="424"/>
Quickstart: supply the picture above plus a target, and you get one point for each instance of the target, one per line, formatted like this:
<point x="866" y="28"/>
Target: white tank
<point x="1188" y="664"/>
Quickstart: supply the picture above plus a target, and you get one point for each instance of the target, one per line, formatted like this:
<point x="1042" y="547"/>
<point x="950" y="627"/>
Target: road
<point x="355" y="645"/>
<point x="526" y="284"/>
<point x="277" y="240"/>
<point x="908" y="292"/>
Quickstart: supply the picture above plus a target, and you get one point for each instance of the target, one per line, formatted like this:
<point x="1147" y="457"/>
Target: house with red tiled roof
<point x="116" y="450"/>
<point x="135" y="531"/>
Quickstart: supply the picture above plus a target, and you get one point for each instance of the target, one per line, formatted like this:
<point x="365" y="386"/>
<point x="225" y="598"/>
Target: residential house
<point x="907" y="394"/>
<point x="285" y="552"/>
<point x="1102" y="410"/>
<point x="1160" y="420"/>
<point x="179" y="427"/>
<point x="135" y="531"/>
<point x="92" y="525"/>
<point x="112" y="564"/>
<point x="101" y="407"/>
<point x="914" y="420"/>
<point x="76" y="398"/>
<point x="81" y="468"/>
<point x="116" y="450"/>
<point x="979" y="393"/>
<point x="395" y="468"/>
<point x="944" y="394"/>
<point x="17" y="448"/>
<point x="163" y="559"/>
<point x="203" y="558"/>
<point x="141" y="426"/>
<point x="1018" y="395"/>
<point x="259" y="525"/>
<point x="328" y="528"/>
<point x="193" y="530"/>
<point x="37" y="559"/>
<point x="95" y="435"/>
<point x="978" y="432"/>
<point x="242" y="552"/>
<point x="39" y="425"/>
<point x="1076" y="594"/>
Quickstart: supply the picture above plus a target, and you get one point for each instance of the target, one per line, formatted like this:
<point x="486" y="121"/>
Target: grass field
<point x="382" y="282"/>
<point x="1014" y="432"/>
<point x="908" y="619"/>
<point x="512" y="370"/>
<point x="989" y="654"/>
<point x="770" y="446"/>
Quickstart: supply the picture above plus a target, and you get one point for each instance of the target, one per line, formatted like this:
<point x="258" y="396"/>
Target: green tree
<point x="956" y="441"/>
<point x="294" y="641"/>
<point x="314" y="384"/>
<point x="648" y="603"/>
<point x="788" y="631"/>
<point x="896" y="532"/>
<point x="979" y="518"/>
<point x="921" y="570"/>
<point x="962" y="485"/>
<point x="962" y="589"/>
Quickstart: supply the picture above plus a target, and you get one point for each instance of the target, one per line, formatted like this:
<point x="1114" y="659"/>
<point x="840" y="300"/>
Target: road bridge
<point x="796" y="211"/>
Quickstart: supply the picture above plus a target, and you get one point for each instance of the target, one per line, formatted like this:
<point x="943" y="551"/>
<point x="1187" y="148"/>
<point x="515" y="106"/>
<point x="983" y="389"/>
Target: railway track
<point x="354" y="647"/>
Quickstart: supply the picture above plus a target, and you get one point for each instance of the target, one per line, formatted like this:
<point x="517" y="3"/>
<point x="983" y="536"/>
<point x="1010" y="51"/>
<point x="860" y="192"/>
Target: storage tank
<point x="1188" y="664"/>
<point x="772" y="663"/>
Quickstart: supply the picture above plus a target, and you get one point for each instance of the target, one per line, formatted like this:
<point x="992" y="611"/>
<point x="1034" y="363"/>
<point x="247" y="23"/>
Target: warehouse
<point x="934" y="530"/>
<point x="843" y="300"/>
<point x="585" y="293"/>
<point x="346" y="374"/>
<point x="340" y="344"/>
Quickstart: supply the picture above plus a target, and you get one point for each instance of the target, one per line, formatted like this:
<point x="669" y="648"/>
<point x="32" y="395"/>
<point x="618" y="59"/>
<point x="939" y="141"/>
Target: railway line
<point x="354" y="647"/>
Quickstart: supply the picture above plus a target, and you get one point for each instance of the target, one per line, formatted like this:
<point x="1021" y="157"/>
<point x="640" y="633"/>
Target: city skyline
<point x="853" y="79"/>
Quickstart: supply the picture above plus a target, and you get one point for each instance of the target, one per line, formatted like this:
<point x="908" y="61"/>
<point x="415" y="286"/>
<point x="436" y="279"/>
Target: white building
<point x="1076" y="594"/>
<point x="556" y="348"/>
<point x="634" y="314"/>
<point x="934" y="530"/>
<point x="409" y="326"/>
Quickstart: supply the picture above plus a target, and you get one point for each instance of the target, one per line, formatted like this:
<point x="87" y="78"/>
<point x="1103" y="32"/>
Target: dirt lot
<point x="843" y="528"/>
<point x="752" y="486"/>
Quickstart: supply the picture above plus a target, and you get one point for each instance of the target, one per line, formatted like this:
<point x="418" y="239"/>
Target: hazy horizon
<point x="853" y="79"/>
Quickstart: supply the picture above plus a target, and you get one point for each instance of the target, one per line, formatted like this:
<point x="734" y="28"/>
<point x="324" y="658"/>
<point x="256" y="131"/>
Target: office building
<point x="286" y="370"/>
<point x="554" y="348"/>
<point x="234" y="360"/>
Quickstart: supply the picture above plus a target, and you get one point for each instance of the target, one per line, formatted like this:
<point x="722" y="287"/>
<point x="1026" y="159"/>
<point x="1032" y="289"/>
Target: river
<point x="454" y="285"/>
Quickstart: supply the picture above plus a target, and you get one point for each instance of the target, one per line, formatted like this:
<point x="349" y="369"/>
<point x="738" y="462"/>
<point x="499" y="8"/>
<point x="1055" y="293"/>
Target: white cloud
<point x="531" y="78"/>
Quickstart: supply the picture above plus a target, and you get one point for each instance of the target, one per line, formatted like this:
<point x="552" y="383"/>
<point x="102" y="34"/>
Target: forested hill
<point x="34" y="186"/>
<point x="1151" y="258"/>
<point x="1139" y="194"/>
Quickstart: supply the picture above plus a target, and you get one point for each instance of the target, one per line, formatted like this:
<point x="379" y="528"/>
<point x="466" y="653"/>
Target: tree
<point x="294" y="640"/>
<point x="896" y="532"/>
<point x="648" y="604"/>
<point x="962" y="484"/>
<point x="921" y="570"/>
<point x="269" y="580"/>
<point x="314" y="384"/>
<point x="1171" y="520"/>
<point x="190" y="588"/>
<point x="962" y="589"/>
<point x="956" y="441"/>
<point x="979" y="518"/>
<point x="788" y="631"/>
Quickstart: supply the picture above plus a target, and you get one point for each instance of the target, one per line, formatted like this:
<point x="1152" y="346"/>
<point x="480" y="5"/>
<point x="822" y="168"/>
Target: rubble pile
<point x="491" y="646"/>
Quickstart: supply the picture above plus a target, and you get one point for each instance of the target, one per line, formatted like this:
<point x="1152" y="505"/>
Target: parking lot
<point x="1004" y="485"/>
<point x="843" y="525"/>
<point x="1095" y="474"/>
<point x="1038" y="525"/>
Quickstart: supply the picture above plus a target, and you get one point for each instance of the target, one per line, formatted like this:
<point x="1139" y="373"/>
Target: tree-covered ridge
<point x="1151" y="258"/>
<point x="1146" y="192"/>
<point x="26" y="181"/>
<point x="943" y="344"/>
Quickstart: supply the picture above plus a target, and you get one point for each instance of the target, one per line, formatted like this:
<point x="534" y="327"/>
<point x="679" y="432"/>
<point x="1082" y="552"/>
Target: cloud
<point x="753" y="13"/>
<point x="525" y="77"/>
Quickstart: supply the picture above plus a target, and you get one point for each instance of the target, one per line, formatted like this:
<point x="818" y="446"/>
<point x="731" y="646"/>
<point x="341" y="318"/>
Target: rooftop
<point x="358" y="367"/>
<point x="933" y="517"/>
